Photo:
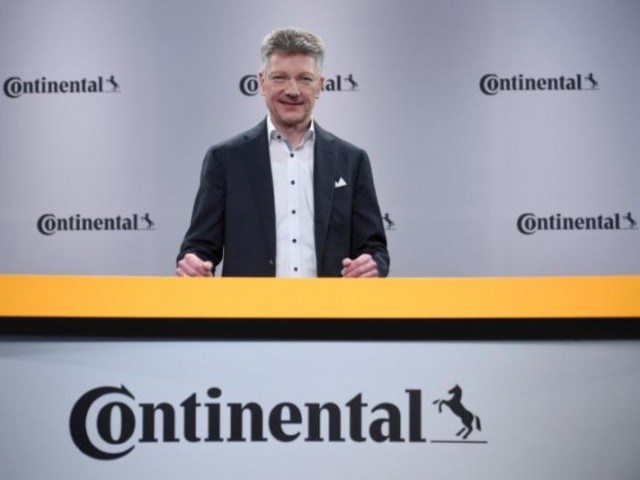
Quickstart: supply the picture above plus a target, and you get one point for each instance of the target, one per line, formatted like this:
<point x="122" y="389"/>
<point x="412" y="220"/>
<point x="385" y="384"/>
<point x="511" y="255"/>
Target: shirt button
<point x="294" y="240"/>
<point x="293" y="212"/>
<point x="293" y="182"/>
<point x="291" y="155"/>
<point x="295" y="269"/>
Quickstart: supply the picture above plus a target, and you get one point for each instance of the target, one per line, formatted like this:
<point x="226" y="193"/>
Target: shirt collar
<point x="272" y="132"/>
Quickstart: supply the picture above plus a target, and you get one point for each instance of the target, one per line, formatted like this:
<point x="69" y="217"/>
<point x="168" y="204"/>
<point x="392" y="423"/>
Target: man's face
<point x="290" y="85"/>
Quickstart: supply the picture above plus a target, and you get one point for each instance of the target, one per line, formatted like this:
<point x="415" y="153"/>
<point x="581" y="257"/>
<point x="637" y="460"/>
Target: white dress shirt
<point x="292" y="171"/>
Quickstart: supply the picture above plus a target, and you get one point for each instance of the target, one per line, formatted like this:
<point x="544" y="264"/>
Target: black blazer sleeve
<point x="205" y="236"/>
<point x="368" y="234"/>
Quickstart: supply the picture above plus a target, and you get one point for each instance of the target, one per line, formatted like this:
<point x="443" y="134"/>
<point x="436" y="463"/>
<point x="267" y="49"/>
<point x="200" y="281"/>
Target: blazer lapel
<point x="256" y="157"/>
<point x="324" y="175"/>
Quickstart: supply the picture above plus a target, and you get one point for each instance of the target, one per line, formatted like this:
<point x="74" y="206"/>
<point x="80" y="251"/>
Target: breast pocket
<point x="342" y="204"/>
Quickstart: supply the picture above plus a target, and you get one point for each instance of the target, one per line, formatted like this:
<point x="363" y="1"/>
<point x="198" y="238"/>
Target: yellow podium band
<point x="169" y="297"/>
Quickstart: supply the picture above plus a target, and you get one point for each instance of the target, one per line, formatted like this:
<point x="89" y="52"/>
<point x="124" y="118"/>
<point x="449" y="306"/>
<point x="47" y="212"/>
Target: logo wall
<point x="104" y="421"/>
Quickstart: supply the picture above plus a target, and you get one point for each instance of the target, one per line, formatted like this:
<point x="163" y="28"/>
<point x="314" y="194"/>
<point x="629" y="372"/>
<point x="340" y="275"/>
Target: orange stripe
<point x="157" y="297"/>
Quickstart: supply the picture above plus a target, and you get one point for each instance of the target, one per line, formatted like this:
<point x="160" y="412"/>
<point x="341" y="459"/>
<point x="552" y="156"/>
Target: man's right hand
<point x="192" y="266"/>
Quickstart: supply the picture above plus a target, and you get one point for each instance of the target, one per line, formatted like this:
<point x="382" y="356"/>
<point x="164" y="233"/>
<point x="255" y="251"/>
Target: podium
<point x="142" y="377"/>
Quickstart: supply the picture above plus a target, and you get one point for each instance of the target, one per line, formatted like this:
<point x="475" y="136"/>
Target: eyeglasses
<point x="302" y="81"/>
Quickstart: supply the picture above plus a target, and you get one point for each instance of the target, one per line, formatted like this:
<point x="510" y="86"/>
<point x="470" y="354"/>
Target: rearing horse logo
<point x="390" y="223"/>
<point x="455" y="404"/>
<point x="632" y="223"/>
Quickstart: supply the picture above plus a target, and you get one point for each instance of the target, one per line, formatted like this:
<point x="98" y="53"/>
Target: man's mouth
<point x="290" y="103"/>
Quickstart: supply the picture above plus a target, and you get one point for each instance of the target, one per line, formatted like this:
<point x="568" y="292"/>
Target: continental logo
<point x="49" y="223"/>
<point x="492" y="83"/>
<point x="16" y="87"/>
<point x="109" y="422"/>
<point x="530" y="223"/>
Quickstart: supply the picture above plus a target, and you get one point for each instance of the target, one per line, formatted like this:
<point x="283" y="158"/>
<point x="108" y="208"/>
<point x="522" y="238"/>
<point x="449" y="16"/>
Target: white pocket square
<point x="340" y="183"/>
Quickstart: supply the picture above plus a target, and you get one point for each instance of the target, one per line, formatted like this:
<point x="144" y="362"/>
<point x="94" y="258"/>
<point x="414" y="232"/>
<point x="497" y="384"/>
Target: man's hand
<point x="363" y="266"/>
<point x="192" y="266"/>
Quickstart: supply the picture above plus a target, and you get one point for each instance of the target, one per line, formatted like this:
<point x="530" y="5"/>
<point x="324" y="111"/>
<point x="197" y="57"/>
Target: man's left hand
<point x="361" y="267"/>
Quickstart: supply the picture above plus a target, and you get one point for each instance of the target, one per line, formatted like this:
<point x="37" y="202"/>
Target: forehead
<point x="291" y="62"/>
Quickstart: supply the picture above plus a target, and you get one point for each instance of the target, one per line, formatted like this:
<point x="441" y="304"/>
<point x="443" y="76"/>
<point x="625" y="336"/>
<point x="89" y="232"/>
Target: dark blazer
<point x="234" y="213"/>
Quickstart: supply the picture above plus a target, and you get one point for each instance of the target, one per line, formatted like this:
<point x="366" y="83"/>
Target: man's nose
<point x="292" y="88"/>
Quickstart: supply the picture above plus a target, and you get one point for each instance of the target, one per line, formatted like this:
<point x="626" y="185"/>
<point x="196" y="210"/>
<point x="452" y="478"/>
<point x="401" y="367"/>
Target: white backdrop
<point x="455" y="168"/>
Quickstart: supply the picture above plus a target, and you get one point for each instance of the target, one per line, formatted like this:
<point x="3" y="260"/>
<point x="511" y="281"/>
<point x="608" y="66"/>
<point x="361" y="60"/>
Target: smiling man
<point x="286" y="198"/>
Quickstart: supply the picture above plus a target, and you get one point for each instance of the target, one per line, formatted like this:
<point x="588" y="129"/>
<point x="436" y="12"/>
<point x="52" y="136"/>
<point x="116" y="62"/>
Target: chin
<point x="292" y="122"/>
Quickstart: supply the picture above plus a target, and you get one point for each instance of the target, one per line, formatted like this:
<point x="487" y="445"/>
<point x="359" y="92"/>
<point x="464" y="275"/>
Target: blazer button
<point x="271" y="263"/>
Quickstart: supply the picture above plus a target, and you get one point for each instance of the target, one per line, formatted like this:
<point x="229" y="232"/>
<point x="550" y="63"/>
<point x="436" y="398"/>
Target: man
<point x="286" y="198"/>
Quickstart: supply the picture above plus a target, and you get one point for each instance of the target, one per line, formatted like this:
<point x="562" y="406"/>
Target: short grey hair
<point x="292" y="41"/>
